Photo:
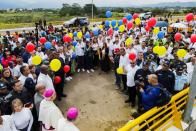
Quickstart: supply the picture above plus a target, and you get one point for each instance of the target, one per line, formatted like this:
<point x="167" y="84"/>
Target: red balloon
<point x="67" y="39"/>
<point x="193" y="38"/>
<point x="189" y="17"/>
<point x="124" y="20"/>
<point x="152" y="22"/>
<point x="129" y="25"/>
<point x="132" y="56"/>
<point x="42" y="40"/>
<point x="178" y="37"/>
<point x="66" y="68"/>
<point x="30" y="47"/>
<point x="147" y="28"/>
<point x="135" y="16"/>
<point x="110" y="31"/>
<point x="57" y="79"/>
<point x="54" y="42"/>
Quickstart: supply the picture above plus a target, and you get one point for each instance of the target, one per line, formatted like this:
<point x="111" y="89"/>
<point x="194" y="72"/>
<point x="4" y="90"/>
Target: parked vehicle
<point x="77" y="21"/>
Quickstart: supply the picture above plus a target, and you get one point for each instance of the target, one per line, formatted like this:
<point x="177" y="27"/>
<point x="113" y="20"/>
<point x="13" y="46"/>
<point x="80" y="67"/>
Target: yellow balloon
<point x="137" y="21"/>
<point x="70" y="35"/>
<point x="101" y="27"/>
<point x="79" y="35"/>
<point x="181" y="53"/>
<point x="156" y="30"/>
<point x="121" y="28"/>
<point x="36" y="60"/>
<point x="156" y="49"/>
<point x="119" y="70"/>
<point x="128" y="41"/>
<point x="162" y="51"/>
<point x="55" y="65"/>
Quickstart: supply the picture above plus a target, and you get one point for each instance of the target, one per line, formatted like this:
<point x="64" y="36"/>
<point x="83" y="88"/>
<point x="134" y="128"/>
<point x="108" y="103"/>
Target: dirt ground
<point x="101" y="107"/>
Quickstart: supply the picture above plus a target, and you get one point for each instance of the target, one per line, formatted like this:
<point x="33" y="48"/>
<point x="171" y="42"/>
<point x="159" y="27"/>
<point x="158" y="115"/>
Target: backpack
<point x="164" y="97"/>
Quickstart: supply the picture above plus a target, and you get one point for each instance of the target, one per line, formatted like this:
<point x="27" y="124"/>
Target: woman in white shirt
<point x="6" y="123"/>
<point x="22" y="117"/>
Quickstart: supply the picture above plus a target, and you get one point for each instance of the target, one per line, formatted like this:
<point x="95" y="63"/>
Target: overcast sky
<point x="58" y="3"/>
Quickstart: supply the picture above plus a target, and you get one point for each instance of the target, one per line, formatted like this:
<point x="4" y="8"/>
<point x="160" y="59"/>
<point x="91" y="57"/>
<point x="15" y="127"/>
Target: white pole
<point x="92" y="9"/>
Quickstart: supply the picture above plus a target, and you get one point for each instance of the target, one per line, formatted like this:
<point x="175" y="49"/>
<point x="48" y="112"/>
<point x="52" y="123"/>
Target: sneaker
<point x="92" y="70"/>
<point x="70" y="78"/>
<point x="78" y="70"/>
<point x="88" y="71"/>
<point x="83" y="70"/>
<point x="67" y="79"/>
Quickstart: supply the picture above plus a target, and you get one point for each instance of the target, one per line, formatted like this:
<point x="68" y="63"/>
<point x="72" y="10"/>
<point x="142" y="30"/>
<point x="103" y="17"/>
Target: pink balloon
<point x="135" y="16"/>
<point x="110" y="31"/>
<point x="124" y="20"/>
<point x="193" y="38"/>
<point x="152" y="22"/>
<point x="189" y="17"/>
<point x="129" y="25"/>
<point x="178" y="37"/>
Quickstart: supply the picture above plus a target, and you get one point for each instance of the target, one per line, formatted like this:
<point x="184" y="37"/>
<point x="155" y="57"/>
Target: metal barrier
<point x="161" y="118"/>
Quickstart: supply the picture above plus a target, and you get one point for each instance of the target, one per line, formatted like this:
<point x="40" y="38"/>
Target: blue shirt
<point x="180" y="81"/>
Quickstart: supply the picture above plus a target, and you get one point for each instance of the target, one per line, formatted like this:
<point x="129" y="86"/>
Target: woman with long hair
<point x="7" y="78"/>
<point x="104" y="55"/>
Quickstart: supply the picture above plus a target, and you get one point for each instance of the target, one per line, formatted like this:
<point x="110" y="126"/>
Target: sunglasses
<point x="132" y="63"/>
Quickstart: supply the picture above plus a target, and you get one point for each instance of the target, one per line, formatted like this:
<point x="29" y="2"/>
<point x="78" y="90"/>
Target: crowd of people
<point x="28" y="90"/>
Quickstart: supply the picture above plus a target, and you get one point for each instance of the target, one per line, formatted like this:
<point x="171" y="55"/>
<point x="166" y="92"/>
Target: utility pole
<point x="92" y="9"/>
<point x="191" y="98"/>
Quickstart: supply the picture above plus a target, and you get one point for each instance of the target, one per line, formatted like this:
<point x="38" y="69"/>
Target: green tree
<point x="88" y="9"/>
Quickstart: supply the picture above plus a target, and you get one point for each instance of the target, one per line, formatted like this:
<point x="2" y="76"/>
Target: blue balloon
<point x="75" y="34"/>
<point x="43" y="34"/>
<point x="116" y="28"/>
<point x="107" y="23"/>
<point x="129" y="17"/>
<point x="120" y="22"/>
<point x="48" y="45"/>
<point x="113" y="23"/>
<point x="108" y="14"/>
<point x="87" y="35"/>
<point x="75" y="43"/>
<point x="73" y="56"/>
<point x="161" y="35"/>
<point x="96" y="32"/>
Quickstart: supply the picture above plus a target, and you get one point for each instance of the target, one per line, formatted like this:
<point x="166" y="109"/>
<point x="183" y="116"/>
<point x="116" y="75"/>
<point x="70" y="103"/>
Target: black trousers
<point x="124" y="80"/>
<point x="69" y="73"/>
<point x="59" y="87"/>
<point x="80" y="61"/>
<point x="88" y="62"/>
<point x="132" y="94"/>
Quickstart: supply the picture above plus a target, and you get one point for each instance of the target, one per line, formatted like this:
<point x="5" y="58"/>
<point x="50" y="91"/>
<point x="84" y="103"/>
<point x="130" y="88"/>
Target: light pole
<point x="92" y="9"/>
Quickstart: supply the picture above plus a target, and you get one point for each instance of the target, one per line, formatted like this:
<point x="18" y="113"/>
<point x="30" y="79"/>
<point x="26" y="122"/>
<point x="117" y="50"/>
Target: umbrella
<point x="178" y="25"/>
<point x="161" y="24"/>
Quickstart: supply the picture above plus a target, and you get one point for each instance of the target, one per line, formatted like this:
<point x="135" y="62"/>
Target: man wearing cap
<point x="49" y="113"/>
<point x="181" y="80"/>
<point x="66" y="124"/>
<point x="166" y="77"/>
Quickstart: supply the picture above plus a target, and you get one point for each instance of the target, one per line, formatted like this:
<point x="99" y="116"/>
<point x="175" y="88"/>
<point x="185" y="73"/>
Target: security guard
<point x="166" y="77"/>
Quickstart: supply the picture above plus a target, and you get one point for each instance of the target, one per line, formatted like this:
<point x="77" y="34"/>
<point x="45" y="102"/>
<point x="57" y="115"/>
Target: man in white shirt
<point x="41" y="54"/>
<point x="131" y="70"/>
<point x="80" y="54"/>
<point x="16" y="69"/>
<point x="66" y="124"/>
<point x="190" y="68"/>
<point x="25" y="73"/>
<point x="124" y="61"/>
<point x="44" y="78"/>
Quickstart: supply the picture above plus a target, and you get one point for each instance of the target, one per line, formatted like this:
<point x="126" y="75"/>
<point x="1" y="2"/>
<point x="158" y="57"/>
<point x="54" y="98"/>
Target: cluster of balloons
<point x="160" y="50"/>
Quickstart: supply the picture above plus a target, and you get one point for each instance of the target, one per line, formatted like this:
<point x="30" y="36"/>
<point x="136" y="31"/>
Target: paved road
<point x="102" y="108"/>
<point x="30" y="28"/>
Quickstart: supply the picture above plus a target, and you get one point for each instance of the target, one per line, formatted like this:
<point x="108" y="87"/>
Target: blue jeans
<point x="118" y="78"/>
